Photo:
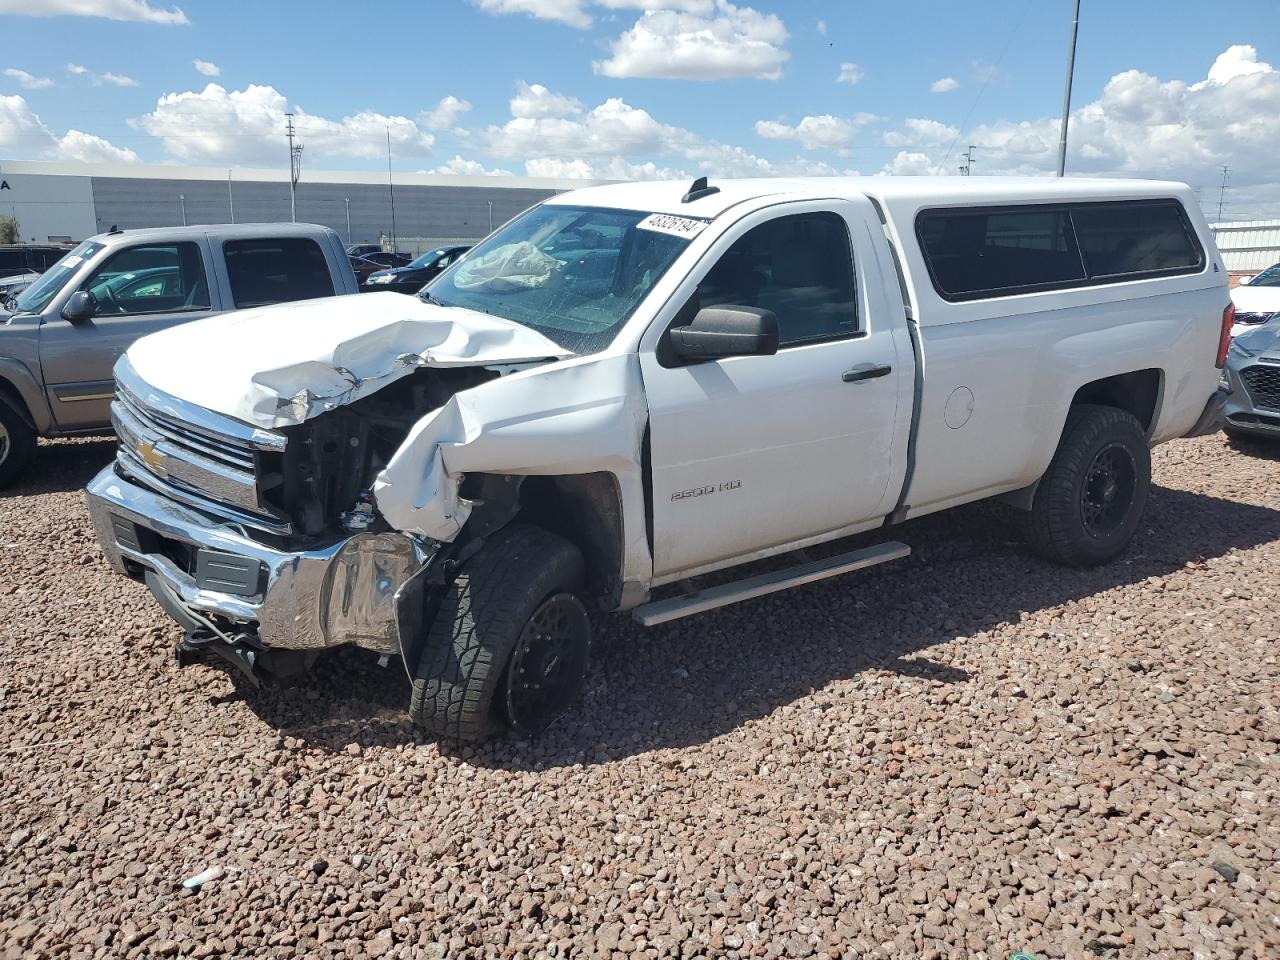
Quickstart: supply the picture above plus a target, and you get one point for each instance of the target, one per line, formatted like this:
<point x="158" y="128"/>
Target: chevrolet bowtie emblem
<point x="153" y="458"/>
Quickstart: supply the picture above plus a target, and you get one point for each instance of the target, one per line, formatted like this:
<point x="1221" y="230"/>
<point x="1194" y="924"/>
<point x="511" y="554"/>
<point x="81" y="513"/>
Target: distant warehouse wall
<point x="1248" y="245"/>
<point x="74" y="201"/>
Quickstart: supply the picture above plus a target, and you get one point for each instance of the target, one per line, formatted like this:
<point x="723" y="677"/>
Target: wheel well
<point x="1137" y="392"/>
<point x="585" y="509"/>
<point x="10" y="396"/>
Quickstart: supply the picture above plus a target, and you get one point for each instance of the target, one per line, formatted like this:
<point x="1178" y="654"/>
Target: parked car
<point x="363" y="249"/>
<point x="694" y="380"/>
<point x="365" y="266"/>
<point x="23" y="258"/>
<point x="61" y="335"/>
<point x="1253" y="363"/>
<point x="10" y="287"/>
<point x="413" y="275"/>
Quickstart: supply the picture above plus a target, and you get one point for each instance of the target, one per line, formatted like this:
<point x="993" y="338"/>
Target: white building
<point x="71" y="201"/>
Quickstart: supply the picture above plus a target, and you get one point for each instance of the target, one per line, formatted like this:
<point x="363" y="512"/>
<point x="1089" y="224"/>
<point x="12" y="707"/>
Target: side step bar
<point x="663" y="611"/>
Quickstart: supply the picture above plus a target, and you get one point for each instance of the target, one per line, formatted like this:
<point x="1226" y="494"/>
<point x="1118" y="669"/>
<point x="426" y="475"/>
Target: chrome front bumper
<point x="332" y="594"/>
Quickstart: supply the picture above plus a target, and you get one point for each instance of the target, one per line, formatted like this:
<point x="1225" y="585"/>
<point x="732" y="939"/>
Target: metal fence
<point x="415" y="246"/>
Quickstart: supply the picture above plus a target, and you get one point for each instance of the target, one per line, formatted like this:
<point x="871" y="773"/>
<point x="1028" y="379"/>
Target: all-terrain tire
<point x="17" y="444"/>
<point x="459" y="690"/>
<point x="1063" y="525"/>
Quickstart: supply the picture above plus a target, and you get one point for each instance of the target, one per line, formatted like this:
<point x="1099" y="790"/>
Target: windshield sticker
<point x="71" y="260"/>
<point x="675" y="226"/>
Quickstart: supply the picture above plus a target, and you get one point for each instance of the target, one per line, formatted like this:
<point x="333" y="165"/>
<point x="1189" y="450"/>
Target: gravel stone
<point x="966" y="754"/>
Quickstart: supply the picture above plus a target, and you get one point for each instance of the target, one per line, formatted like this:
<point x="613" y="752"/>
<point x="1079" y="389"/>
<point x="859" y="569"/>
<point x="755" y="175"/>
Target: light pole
<point x="347" y="201"/>
<point x="392" y="187"/>
<point x="490" y="202"/>
<point x="231" y="200"/>
<point x="182" y="199"/>
<point x="1066" y="97"/>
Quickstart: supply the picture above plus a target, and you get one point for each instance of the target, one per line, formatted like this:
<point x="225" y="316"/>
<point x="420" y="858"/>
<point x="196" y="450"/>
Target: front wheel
<point x="509" y="645"/>
<point x="1091" y="499"/>
<point x="17" y="444"/>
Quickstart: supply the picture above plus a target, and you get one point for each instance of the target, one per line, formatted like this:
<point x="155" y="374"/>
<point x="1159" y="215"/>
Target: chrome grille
<point x="192" y="455"/>
<point x="1254" y="318"/>
<point x="1263" y="383"/>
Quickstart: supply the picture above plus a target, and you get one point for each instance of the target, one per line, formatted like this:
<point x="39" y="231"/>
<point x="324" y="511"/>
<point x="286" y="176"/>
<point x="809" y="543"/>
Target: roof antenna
<point x="698" y="191"/>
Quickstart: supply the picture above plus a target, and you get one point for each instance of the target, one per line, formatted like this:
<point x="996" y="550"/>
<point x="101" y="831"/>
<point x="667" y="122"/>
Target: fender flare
<point x="21" y="392"/>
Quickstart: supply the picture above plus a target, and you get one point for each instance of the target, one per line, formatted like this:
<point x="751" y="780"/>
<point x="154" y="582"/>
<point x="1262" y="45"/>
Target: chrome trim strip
<point x="85" y="396"/>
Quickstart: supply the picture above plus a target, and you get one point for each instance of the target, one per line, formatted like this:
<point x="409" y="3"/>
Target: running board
<point x="663" y="611"/>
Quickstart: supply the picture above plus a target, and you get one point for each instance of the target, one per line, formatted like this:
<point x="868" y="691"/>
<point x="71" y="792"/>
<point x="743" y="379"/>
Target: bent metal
<point x="462" y="478"/>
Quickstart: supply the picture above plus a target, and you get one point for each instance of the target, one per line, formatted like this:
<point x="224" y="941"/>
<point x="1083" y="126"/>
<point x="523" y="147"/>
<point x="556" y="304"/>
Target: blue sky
<point x="577" y="86"/>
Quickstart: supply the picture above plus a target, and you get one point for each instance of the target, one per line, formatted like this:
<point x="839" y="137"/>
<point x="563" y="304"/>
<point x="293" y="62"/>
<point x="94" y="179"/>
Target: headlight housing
<point x="381" y="278"/>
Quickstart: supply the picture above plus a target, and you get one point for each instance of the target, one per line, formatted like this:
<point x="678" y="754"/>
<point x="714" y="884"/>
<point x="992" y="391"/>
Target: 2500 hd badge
<point x="710" y="488"/>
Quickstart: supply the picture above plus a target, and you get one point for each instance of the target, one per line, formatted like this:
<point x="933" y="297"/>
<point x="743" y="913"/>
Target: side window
<point x="1131" y="238"/>
<point x="800" y="267"/>
<point x="150" y="278"/>
<point x="274" y="271"/>
<point x="976" y="254"/>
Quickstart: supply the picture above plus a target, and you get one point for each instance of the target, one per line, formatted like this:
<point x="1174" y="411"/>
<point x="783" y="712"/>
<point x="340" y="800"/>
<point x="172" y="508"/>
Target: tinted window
<point x="1010" y="250"/>
<point x="975" y="253"/>
<point x="152" y="278"/>
<point x="1135" y="238"/>
<point x="37" y="296"/>
<point x="799" y="267"/>
<point x="274" y="271"/>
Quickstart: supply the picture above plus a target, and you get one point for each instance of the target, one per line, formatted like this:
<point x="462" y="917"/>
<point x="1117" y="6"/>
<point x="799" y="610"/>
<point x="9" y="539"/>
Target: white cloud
<point x="919" y="132"/>
<point x="445" y="114"/>
<point x="23" y="133"/>
<point x="534" y="100"/>
<point x="98" y="79"/>
<point x="470" y="168"/>
<point x="118" y="80"/>
<point x="107" y="9"/>
<point x="76" y="70"/>
<point x="821" y="27"/>
<point x="28" y="81"/>
<point x="733" y="42"/>
<point x="850" y="73"/>
<point x="944" y="85"/>
<point x="824" y="132"/>
<point x="1240" y="60"/>
<point x="219" y="126"/>
<point x="555" y="167"/>
<point x="570" y="12"/>
<point x="206" y="67"/>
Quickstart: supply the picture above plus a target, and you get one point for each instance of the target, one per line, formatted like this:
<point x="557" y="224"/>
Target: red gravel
<point x="965" y="755"/>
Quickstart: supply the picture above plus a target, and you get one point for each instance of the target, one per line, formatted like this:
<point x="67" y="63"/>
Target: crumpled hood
<point x="280" y="365"/>
<point x="1256" y="340"/>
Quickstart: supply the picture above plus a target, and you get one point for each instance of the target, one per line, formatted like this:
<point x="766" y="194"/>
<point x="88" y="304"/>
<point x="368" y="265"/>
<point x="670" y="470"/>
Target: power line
<point x="1222" y="190"/>
<point x="295" y="168"/>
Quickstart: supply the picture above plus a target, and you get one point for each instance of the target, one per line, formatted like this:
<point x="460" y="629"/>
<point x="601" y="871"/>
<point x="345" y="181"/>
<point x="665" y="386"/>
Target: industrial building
<point x="71" y="201"/>
<point x="1248" y="245"/>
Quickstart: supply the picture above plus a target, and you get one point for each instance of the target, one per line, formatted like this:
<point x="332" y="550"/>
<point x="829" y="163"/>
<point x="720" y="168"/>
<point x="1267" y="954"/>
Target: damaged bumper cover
<point x="341" y="592"/>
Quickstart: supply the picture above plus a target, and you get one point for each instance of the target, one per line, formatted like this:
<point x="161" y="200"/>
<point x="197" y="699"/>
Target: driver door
<point x="751" y="453"/>
<point x="139" y="289"/>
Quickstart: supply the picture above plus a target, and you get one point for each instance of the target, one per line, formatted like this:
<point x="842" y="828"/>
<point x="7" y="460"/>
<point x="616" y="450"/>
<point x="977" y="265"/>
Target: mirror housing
<point x="726" y="331"/>
<point x="1244" y="280"/>
<point x="81" y="306"/>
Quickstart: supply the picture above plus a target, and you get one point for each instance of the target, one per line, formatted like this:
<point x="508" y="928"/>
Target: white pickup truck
<point x="632" y="386"/>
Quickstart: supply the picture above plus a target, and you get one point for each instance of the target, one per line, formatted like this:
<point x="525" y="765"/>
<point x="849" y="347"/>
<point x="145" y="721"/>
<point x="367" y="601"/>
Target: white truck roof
<point x="901" y="193"/>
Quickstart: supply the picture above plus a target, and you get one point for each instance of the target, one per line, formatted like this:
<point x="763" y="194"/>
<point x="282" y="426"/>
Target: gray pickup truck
<point x="61" y="336"/>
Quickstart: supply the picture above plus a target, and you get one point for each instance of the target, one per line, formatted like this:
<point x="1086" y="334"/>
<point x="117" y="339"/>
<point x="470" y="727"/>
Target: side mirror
<point x="82" y="306"/>
<point x="726" y="331"/>
<point x="1244" y="280"/>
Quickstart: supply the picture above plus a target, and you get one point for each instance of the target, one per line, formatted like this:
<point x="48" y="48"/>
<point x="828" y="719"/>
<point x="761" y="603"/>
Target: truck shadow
<point x="691" y="681"/>
<point x="61" y="466"/>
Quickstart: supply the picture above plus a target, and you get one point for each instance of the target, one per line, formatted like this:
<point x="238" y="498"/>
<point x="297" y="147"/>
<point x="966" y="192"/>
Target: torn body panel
<point x="580" y="417"/>
<point x="312" y="356"/>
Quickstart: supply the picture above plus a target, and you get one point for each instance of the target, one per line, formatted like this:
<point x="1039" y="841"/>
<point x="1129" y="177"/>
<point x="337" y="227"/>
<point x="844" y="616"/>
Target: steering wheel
<point x="107" y="303"/>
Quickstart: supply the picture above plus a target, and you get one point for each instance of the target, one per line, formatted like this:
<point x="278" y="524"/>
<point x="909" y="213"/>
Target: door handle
<point x="866" y="371"/>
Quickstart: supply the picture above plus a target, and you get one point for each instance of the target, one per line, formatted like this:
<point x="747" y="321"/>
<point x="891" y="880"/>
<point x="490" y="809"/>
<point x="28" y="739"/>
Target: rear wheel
<point x="17" y="444"/>
<point x="509" y="645"/>
<point x="1091" y="499"/>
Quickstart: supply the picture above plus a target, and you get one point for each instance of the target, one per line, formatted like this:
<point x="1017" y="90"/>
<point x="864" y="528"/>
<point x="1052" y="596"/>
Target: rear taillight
<point x="1224" y="338"/>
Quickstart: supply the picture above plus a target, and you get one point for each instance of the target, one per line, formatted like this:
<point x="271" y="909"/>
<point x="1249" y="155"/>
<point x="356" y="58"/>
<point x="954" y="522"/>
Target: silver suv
<point x="60" y="337"/>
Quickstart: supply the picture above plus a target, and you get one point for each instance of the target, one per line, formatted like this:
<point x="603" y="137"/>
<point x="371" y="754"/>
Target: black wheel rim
<point x="1107" y="493"/>
<point x="548" y="663"/>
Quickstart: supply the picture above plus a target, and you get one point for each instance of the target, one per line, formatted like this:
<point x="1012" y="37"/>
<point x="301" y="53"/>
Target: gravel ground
<point x="965" y="755"/>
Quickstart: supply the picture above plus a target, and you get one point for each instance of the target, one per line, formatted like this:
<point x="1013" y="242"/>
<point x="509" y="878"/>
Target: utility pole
<point x="490" y="202"/>
<point x="231" y="200"/>
<point x="347" y="201"/>
<point x="182" y="199"/>
<point x="392" y="187"/>
<point x="1066" y="97"/>
<point x="295" y="168"/>
<point x="1222" y="191"/>
<point x="969" y="161"/>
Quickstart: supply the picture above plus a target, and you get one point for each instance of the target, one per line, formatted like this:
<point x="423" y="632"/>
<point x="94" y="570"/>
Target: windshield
<point x="37" y="296"/>
<point x="1269" y="277"/>
<point x="574" y="274"/>
<point x="426" y="259"/>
